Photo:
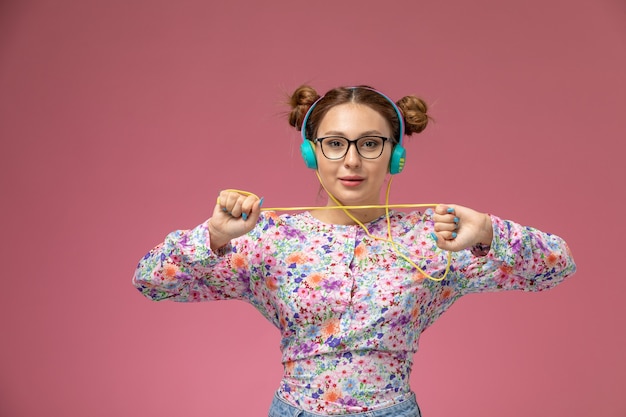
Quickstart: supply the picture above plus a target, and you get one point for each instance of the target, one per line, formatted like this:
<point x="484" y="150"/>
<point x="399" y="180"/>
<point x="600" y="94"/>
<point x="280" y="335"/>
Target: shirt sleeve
<point x="184" y="268"/>
<point x="520" y="258"/>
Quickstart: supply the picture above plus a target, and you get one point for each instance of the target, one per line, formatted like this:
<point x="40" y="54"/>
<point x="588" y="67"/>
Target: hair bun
<point x="414" y="110"/>
<point x="300" y="102"/>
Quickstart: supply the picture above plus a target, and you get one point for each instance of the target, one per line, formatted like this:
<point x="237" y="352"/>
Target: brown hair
<point x="413" y="108"/>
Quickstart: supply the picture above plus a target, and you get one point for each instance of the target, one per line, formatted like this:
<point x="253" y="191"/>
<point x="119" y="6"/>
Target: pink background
<point x="120" y="121"/>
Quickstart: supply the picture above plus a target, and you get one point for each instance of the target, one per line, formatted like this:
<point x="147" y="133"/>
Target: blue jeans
<point x="408" y="408"/>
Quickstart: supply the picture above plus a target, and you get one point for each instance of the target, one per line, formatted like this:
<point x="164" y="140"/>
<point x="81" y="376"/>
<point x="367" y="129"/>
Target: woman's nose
<point x="352" y="158"/>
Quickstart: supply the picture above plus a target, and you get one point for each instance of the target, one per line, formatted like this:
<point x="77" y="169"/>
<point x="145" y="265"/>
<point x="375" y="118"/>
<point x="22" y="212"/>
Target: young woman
<point x="351" y="287"/>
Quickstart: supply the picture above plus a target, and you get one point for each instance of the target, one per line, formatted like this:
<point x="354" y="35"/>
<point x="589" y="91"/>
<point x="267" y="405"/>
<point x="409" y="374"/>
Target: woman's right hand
<point x="234" y="215"/>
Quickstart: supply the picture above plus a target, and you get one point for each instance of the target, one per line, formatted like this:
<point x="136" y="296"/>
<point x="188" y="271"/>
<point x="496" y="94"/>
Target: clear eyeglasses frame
<point x="336" y="147"/>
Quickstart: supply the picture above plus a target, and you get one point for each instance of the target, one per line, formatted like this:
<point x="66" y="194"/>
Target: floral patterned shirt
<point x="349" y="309"/>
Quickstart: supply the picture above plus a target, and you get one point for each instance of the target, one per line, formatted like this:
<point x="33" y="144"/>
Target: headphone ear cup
<point x="398" y="157"/>
<point x="307" y="149"/>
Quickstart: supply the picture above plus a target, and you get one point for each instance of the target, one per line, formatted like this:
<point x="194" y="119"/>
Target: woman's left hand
<point x="458" y="227"/>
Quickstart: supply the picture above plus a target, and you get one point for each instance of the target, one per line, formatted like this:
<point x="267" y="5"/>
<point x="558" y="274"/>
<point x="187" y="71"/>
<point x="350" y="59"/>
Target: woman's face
<point x="354" y="180"/>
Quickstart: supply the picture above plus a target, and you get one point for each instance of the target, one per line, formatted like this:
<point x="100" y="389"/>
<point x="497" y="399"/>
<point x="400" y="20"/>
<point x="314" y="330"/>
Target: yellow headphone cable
<point x="346" y="209"/>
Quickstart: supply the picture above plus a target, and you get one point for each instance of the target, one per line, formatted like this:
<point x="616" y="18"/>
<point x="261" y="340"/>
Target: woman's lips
<point x="351" y="181"/>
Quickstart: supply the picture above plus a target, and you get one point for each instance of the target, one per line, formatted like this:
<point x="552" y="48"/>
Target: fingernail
<point x="434" y="236"/>
<point x="453" y="235"/>
<point x="244" y="216"/>
<point x="261" y="202"/>
<point x="456" y="219"/>
<point x="450" y="210"/>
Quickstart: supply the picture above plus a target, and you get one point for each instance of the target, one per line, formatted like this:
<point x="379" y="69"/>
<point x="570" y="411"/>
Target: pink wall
<point x="120" y="121"/>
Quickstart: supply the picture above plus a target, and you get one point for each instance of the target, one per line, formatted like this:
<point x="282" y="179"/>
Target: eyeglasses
<point x="336" y="147"/>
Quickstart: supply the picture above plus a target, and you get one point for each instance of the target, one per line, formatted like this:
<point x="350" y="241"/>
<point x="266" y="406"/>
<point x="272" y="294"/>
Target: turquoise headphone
<point x="398" y="153"/>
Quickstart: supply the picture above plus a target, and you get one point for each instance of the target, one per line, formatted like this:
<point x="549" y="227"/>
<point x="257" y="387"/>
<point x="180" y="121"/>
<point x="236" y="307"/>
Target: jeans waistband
<point x="406" y="408"/>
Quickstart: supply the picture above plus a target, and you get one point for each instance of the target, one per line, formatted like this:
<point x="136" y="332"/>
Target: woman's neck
<point x="337" y="216"/>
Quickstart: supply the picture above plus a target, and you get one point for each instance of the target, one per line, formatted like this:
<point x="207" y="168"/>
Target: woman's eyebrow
<point x="366" y="133"/>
